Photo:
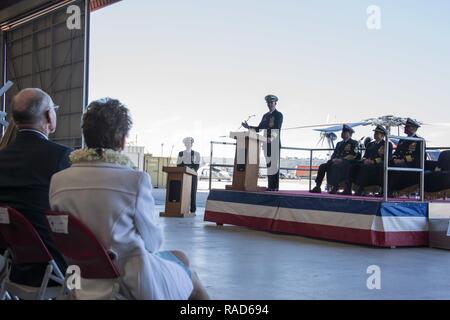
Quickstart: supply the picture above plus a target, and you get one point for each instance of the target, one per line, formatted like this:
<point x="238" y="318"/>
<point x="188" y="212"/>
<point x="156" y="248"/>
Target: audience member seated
<point x="115" y="201"/>
<point x="338" y="167"/>
<point x="408" y="154"/>
<point x="26" y="167"/>
<point x="437" y="182"/>
<point x="369" y="171"/>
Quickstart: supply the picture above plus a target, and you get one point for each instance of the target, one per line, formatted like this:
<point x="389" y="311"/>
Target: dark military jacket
<point x="375" y="151"/>
<point x="348" y="150"/>
<point x="269" y="122"/>
<point x="409" y="151"/>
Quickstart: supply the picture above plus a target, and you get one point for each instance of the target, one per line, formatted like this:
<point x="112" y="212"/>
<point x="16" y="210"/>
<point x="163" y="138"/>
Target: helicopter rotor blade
<point x="440" y="124"/>
<point x="314" y="126"/>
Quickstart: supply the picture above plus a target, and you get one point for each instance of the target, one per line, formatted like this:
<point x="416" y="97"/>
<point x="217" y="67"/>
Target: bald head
<point x="31" y="109"/>
<point x="29" y="106"/>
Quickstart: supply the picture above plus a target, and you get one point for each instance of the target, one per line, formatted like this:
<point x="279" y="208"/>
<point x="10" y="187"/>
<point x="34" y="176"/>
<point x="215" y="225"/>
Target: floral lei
<point x="104" y="155"/>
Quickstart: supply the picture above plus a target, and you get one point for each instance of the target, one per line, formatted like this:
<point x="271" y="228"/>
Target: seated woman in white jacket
<point x="115" y="201"/>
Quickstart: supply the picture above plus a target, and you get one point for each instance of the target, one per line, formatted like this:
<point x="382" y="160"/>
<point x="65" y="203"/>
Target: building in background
<point x="154" y="166"/>
<point x="136" y="154"/>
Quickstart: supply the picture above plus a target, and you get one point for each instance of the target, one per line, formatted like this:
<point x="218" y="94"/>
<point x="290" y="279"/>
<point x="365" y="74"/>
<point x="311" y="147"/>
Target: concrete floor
<point x="238" y="263"/>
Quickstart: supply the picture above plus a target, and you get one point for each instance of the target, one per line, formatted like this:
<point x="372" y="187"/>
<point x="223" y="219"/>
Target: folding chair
<point x="98" y="278"/>
<point x="26" y="247"/>
<point x="3" y="263"/>
<point x="3" y="250"/>
<point x="437" y="183"/>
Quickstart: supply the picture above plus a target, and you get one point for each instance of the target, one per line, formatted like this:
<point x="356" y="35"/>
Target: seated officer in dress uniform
<point x="407" y="155"/>
<point x="338" y="167"/>
<point x="271" y="122"/>
<point x="190" y="158"/>
<point x="369" y="171"/>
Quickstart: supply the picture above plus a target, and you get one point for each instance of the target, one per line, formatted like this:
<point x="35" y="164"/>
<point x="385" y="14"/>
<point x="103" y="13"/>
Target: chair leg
<point x="56" y="275"/>
<point x="44" y="284"/>
<point x="3" y="292"/>
<point x="65" y="291"/>
<point x="57" y="272"/>
<point x="115" y="294"/>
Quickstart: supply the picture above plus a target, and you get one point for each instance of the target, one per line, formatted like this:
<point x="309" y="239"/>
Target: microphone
<point x="248" y="118"/>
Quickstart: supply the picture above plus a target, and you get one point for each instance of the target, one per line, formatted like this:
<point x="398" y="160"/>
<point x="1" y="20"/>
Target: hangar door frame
<point x="40" y="51"/>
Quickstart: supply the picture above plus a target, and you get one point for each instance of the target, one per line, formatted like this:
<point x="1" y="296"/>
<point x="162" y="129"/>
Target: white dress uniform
<point x="191" y="159"/>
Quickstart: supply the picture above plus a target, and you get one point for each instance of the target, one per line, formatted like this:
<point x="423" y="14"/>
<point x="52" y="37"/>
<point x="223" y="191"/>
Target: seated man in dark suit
<point x="26" y="167"/>
<point x="338" y="167"/>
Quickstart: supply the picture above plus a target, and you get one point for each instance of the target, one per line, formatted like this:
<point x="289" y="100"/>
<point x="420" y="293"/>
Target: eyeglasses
<point x="55" y="107"/>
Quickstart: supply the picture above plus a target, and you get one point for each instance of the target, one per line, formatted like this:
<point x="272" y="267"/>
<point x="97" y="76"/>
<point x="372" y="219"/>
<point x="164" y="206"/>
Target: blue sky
<point x="198" y="68"/>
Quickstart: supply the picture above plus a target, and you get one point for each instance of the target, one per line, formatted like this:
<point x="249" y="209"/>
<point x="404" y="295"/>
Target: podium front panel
<point x="178" y="195"/>
<point x="174" y="191"/>
<point x="246" y="165"/>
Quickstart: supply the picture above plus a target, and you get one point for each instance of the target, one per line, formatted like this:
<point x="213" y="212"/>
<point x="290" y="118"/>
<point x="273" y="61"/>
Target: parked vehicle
<point x="218" y="174"/>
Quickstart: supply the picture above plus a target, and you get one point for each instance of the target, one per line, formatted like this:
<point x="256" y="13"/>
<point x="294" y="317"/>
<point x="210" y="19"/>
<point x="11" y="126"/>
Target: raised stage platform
<point x="358" y="220"/>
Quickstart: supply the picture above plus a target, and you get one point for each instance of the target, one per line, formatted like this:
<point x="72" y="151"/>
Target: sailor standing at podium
<point x="190" y="158"/>
<point x="271" y="122"/>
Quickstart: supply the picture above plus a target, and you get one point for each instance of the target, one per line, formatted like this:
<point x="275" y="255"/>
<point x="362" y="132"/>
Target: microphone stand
<point x="249" y="117"/>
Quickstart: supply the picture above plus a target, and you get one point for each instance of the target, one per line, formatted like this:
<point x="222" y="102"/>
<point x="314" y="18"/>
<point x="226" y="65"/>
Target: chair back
<point x="444" y="160"/>
<point x="80" y="247"/>
<point x="3" y="244"/>
<point x="21" y="238"/>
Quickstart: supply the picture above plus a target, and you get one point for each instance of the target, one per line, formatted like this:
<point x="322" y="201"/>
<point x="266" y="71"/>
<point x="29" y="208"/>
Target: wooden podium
<point x="246" y="161"/>
<point x="178" y="192"/>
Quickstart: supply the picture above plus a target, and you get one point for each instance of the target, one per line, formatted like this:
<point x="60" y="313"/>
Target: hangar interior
<point x="38" y="50"/>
